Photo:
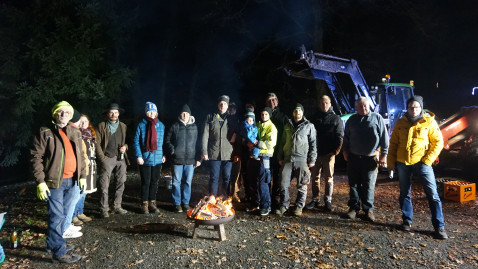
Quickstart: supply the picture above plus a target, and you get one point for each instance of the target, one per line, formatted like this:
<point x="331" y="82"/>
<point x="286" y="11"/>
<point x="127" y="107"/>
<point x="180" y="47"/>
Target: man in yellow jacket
<point x="415" y="143"/>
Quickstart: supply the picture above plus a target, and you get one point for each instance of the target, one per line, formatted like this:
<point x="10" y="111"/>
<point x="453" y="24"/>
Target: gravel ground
<point x="315" y="240"/>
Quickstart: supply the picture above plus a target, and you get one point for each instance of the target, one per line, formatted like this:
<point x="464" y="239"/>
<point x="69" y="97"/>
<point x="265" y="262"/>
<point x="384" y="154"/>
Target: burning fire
<point x="211" y="208"/>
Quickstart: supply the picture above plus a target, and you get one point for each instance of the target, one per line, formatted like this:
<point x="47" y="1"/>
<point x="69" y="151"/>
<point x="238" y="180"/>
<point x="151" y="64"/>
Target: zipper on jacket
<point x="61" y="166"/>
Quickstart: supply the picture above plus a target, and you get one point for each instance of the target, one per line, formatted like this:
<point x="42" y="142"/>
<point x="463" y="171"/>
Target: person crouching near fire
<point x="415" y="144"/>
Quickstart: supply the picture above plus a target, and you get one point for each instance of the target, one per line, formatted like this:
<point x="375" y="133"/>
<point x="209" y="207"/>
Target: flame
<point x="211" y="208"/>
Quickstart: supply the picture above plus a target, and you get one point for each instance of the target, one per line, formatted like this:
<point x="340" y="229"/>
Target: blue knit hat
<point x="249" y="114"/>
<point x="150" y="107"/>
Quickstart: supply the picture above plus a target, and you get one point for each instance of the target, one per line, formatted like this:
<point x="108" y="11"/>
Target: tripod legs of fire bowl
<point x="219" y="228"/>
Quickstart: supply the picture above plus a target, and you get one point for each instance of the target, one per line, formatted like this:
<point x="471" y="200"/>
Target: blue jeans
<point x="362" y="173"/>
<point x="59" y="201"/>
<point x="80" y="205"/>
<point x="69" y="211"/>
<point x="182" y="178"/>
<point x="219" y="169"/>
<point x="427" y="179"/>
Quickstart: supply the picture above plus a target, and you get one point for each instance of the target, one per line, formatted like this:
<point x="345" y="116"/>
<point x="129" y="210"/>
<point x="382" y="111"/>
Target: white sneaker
<point x="71" y="234"/>
<point x="74" y="228"/>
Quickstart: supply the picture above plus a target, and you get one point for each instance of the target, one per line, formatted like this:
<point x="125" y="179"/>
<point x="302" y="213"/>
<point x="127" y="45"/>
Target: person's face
<point x="414" y="109"/>
<point x="184" y="116"/>
<point x="62" y="117"/>
<point x="265" y="116"/>
<point x="298" y="114"/>
<point x="113" y="115"/>
<point x="324" y="104"/>
<point x="363" y="108"/>
<point x="272" y="102"/>
<point x="83" y="122"/>
<point x="232" y="110"/>
<point x="250" y="121"/>
<point x="222" y="106"/>
<point x="151" y="114"/>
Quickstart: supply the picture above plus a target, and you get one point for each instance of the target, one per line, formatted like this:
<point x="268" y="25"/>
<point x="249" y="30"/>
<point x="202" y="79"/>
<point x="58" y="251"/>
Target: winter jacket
<point x="92" y="170"/>
<point x="181" y="142"/>
<point x="298" y="142"/>
<point x="216" y="138"/>
<point x="150" y="158"/>
<point x="267" y="137"/>
<point x="412" y="143"/>
<point x="102" y="136"/>
<point x="364" y="135"/>
<point x="280" y="120"/>
<point x="48" y="155"/>
<point x="330" y="132"/>
<point x="248" y="131"/>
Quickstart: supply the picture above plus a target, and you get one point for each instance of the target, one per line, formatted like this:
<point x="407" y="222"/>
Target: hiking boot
<point x="144" y="207"/>
<point x="152" y="207"/>
<point x="84" y="218"/>
<point x="280" y="211"/>
<point x="264" y="211"/>
<point x="67" y="258"/>
<point x="328" y="207"/>
<point x="67" y="248"/>
<point x="76" y="221"/>
<point x="178" y="209"/>
<point x="105" y="214"/>
<point x="69" y="233"/>
<point x="313" y="204"/>
<point x="351" y="214"/>
<point x="441" y="233"/>
<point x="406" y="226"/>
<point x="370" y="216"/>
<point x="186" y="207"/>
<point x="120" y="211"/>
<point x="252" y="209"/>
<point x="298" y="211"/>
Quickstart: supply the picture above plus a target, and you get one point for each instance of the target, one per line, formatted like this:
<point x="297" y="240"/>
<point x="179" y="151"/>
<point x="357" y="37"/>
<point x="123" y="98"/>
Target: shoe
<point x="236" y="199"/>
<point x="280" y="211"/>
<point x="264" y="211"/>
<point x="67" y="248"/>
<point x="186" y="207"/>
<point x="441" y="233"/>
<point x="370" y="216"/>
<point x="67" y="258"/>
<point x="298" y="211"/>
<point x="351" y="214"/>
<point x="74" y="228"/>
<point x="144" y="207"/>
<point x="328" y="207"/>
<point x="120" y="211"/>
<point x="406" y="226"/>
<point x="152" y="207"/>
<point x="252" y="209"/>
<point x="76" y="221"/>
<point x="84" y="218"/>
<point x="71" y="234"/>
<point x="313" y="204"/>
<point x="105" y="214"/>
<point x="178" y="209"/>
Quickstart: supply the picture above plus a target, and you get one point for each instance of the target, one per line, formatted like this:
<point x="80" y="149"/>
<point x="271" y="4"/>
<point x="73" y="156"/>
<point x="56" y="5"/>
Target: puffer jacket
<point x="216" y="138"/>
<point x="267" y="138"/>
<point x="298" y="143"/>
<point x="48" y="155"/>
<point x="411" y="144"/>
<point x="181" y="142"/>
<point x="150" y="158"/>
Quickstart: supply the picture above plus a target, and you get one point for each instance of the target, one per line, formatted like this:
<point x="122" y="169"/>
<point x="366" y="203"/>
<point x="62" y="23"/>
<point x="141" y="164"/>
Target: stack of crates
<point x="440" y="185"/>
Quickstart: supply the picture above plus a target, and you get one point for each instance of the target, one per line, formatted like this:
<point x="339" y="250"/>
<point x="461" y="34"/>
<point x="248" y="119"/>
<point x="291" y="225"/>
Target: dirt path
<point x="315" y="240"/>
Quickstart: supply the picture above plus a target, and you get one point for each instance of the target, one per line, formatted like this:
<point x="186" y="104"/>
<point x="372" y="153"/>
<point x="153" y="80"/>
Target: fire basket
<point x="212" y="212"/>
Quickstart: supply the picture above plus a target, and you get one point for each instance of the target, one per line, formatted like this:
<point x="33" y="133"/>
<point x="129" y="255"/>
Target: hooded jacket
<point x="267" y="137"/>
<point x="411" y="144"/>
<point x="216" y="138"/>
<point x="298" y="142"/>
<point x="181" y="142"/>
<point x="150" y="158"/>
<point x="330" y="132"/>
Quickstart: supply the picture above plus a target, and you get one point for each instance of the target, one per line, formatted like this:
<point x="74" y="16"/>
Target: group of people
<point x="267" y="155"/>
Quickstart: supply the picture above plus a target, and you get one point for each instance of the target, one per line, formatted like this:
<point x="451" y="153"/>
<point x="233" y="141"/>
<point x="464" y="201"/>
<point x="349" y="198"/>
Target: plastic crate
<point x="440" y="185"/>
<point x="460" y="191"/>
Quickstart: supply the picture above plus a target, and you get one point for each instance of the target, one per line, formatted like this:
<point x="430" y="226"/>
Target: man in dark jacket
<point x="59" y="168"/>
<point x="181" y="147"/>
<point x="297" y="153"/>
<point x="330" y="134"/>
<point x="111" y="154"/>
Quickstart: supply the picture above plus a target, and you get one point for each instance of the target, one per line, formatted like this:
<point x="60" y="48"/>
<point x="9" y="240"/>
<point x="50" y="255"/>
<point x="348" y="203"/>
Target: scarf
<point x="86" y="134"/>
<point x="414" y="119"/>
<point x="112" y="126"/>
<point x="151" y="135"/>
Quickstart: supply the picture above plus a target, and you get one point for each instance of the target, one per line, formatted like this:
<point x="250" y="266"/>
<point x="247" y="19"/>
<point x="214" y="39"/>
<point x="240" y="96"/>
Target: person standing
<point x="365" y="137"/>
<point x="59" y="169"/>
<point x="297" y="153"/>
<point x="112" y="156"/>
<point x="216" y="147"/>
<point x="237" y="166"/>
<point x="181" y="146"/>
<point x="148" y="146"/>
<point x="415" y="144"/>
<point x="330" y="133"/>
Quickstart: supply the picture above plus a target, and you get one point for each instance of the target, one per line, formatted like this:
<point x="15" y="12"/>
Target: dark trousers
<point x="149" y="181"/>
<point x="362" y="173"/>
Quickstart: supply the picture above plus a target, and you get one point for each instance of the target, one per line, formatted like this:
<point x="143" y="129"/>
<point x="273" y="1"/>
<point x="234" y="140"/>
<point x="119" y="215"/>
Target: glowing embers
<point x="212" y="208"/>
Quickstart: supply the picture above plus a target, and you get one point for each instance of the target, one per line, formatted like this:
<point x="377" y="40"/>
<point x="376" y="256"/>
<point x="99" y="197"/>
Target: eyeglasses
<point x="61" y="112"/>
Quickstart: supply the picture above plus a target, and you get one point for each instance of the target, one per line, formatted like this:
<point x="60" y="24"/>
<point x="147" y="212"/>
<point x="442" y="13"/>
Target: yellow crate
<point x="459" y="191"/>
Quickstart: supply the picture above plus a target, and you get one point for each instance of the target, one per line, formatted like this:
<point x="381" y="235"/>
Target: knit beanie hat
<point x="268" y="110"/>
<point x="299" y="106"/>
<point x="224" y="98"/>
<point x="76" y="116"/>
<point x="62" y="104"/>
<point x="249" y="114"/>
<point x="186" y="109"/>
<point x="150" y="107"/>
<point x="416" y="98"/>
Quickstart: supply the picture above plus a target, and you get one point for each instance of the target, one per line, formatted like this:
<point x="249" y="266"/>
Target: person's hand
<point x="163" y="160"/>
<point x="236" y="158"/>
<point x="198" y="163"/>
<point x="205" y="157"/>
<point x="311" y="165"/>
<point x="140" y="161"/>
<point x="82" y="184"/>
<point x="43" y="191"/>
<point x="346" y="155"/>
<point x="382" y="162"/>
<point x="122" y="149"/>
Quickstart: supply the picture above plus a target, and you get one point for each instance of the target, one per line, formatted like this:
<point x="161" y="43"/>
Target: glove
<point x="42" y="191"/>
<point x="82" y="184"/>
